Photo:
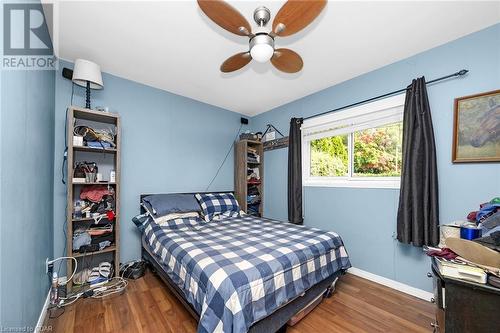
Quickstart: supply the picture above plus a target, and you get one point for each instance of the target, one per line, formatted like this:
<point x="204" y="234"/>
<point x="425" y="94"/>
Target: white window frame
<point x="375" y="114"/>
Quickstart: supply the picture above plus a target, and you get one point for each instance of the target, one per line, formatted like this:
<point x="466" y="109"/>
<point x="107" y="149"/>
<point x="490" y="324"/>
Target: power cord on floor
<point x="113" y="286"/>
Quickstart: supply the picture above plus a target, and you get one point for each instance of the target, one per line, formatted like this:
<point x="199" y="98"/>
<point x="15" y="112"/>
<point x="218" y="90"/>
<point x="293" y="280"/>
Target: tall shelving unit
<point x="242" y="164"/>
<point x="81" y="116"/>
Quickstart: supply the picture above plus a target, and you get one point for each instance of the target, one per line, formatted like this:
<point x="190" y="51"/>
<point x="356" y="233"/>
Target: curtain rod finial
<point x="463" y="72"/>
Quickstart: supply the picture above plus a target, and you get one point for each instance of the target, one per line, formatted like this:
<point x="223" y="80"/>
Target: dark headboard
<point x="193" y="193"/>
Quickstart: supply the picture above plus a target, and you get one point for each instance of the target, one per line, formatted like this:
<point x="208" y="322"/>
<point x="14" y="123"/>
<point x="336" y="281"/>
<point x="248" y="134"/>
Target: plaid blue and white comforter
<point x="239" y="270"/>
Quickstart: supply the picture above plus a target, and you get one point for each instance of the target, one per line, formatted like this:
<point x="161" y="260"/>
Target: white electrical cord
<point x="62" y="301"/>
<point x="108" y="290"/>
<point x="113" y="286"/>
<point x="105" y="290"/>
<point x="61" y="258"/>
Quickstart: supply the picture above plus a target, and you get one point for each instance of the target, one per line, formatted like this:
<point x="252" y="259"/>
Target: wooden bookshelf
<point x="241" y="183"/>
<point x="92" y="117"/>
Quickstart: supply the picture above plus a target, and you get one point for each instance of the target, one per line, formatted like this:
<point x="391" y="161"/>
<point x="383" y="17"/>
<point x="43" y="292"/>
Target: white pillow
<point x="225" y="215"/>
<point x="164" y="219"/>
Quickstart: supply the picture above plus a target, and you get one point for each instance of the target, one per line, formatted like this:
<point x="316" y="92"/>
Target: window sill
<point x="363" y="183"/>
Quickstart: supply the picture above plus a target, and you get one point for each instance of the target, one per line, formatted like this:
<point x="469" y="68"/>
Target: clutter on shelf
<point x="253" y="200"/>
<point x="469" y="250"/>
<point x="88" y="172"/>
<point x="484" y="224"/>
<point x="253" y="176"/>
<point x="97" y="203"/>
<point x="252" y="156"/>
<point x="93" y="238"/>
<point x="251" y="136"/>
<point x="85" y="172"/>
<point x="253" y="179"/>
<point x="95" y="138"/>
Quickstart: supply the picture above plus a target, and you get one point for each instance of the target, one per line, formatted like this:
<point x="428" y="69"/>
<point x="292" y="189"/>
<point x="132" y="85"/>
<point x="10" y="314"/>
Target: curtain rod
<point x="459" y="73"/>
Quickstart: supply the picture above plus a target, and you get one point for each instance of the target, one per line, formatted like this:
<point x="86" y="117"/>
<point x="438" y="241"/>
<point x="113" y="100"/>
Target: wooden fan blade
<point x="295" y="15"/>
<point x="287" y="61"/>
<point x="225" y="16"/>
<point x="235" y="62"/>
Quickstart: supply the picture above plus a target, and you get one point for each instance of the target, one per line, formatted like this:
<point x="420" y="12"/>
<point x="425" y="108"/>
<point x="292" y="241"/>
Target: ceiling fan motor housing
<point x="261" y="16"/>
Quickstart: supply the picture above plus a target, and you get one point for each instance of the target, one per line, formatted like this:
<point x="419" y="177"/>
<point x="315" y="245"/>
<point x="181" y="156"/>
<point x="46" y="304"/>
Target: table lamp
<point x="87" y="74"/>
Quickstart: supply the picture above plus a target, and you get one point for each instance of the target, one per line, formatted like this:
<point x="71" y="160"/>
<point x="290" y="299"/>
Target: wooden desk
<point x="463" y="306"/>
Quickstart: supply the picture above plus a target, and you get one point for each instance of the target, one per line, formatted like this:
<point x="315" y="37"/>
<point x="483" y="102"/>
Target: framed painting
<point x="476" y="128"/>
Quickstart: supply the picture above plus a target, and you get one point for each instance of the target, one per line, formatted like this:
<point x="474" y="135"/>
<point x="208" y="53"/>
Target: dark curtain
<point x="418" y="212"/>
<point x="295" y="172"/>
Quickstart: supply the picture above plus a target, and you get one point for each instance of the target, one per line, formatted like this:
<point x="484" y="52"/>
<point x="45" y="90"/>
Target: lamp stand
<point x="87" y="92"/>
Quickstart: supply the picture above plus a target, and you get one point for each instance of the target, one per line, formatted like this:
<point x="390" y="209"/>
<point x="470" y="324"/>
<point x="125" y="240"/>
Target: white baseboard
<point x="43" y="314"/>
<point x="422" y="294"/>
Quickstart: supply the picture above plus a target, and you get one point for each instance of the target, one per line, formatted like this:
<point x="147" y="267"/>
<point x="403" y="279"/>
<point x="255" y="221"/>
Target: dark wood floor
<point x="358" y="305"/>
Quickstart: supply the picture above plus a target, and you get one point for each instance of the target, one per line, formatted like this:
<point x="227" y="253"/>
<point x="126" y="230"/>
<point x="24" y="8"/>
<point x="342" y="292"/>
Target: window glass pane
<point x="329" y="157"/>
<point x="377" y="151"/>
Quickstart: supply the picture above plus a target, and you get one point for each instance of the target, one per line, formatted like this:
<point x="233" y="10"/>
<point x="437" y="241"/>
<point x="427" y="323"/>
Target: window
<point x="357" y="147"/>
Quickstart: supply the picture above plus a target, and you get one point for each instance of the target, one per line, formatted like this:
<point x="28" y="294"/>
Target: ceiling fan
<point x="291" y="18"/>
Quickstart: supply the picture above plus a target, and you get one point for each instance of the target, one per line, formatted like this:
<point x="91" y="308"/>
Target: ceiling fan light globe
<point x="262" y="52"/>
<point x="262" y="47"/>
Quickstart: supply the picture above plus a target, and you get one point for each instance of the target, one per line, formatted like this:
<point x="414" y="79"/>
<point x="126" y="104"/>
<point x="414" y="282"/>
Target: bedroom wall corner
<point x="170" y="143"/>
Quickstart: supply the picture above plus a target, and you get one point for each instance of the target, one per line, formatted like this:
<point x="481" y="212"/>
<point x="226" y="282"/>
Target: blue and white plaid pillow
<point x="214" y="204"/>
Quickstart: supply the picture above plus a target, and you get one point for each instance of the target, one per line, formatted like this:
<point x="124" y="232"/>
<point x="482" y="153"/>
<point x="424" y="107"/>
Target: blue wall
<point x="169" y="144"/>
<point x="366" y="218"/>
<point x="26" y="193"/>
<point x="27" y="164"/>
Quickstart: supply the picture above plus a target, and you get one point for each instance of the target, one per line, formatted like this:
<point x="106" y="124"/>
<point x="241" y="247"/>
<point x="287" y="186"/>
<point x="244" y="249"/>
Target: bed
<point x="244" y="274"/>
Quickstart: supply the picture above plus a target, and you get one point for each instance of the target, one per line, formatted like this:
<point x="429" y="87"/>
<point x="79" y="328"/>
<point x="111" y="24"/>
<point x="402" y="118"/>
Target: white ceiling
<point x="173" y="46"/>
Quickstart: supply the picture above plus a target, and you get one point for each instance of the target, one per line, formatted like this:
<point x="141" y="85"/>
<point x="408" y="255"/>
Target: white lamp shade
<point x="87" y="71"/>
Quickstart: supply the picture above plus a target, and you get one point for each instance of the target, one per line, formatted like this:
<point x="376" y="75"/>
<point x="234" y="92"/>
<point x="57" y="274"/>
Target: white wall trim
<point x="43" y="314"/>
<point x="422" y="294"/>
<point x="386" y="182"/>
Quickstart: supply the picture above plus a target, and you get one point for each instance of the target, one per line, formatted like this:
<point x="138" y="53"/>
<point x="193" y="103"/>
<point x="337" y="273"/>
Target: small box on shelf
<point x="77" y="141"/>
